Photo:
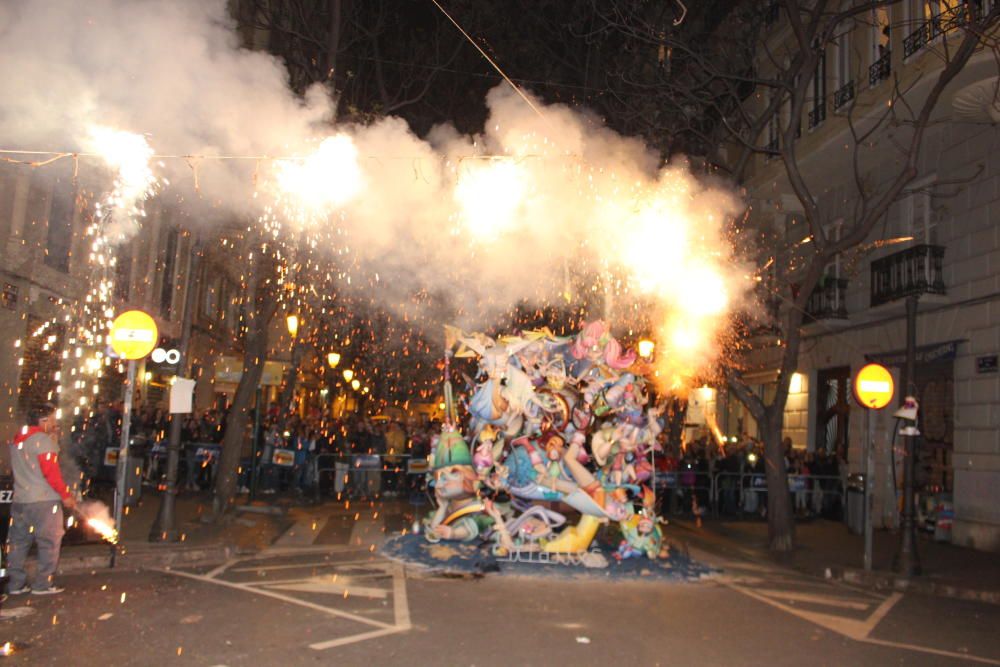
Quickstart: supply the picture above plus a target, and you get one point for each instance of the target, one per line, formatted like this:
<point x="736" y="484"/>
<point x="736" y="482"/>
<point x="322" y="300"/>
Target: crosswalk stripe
<point x="304" y="532"/>
<point x="827" y="600"/>
<point x="345" y="588"/>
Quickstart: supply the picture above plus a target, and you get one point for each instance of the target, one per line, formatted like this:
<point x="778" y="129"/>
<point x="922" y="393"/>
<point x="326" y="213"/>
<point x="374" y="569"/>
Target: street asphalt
<point x="324" y="595"/>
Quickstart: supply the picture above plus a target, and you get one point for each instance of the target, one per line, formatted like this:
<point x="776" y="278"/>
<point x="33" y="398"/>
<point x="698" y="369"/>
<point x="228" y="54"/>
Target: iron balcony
<point x="828" y="300"/>
<point x="916" y="270"/>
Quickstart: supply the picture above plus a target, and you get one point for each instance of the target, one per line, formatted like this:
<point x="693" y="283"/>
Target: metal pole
<point x="120" y="489"/>
<point x="907" y="561"/>
<point x="165" y="527"/>
<point x="869" y="486"/>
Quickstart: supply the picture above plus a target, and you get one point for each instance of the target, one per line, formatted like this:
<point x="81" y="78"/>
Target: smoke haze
<point x="544" y="208"/>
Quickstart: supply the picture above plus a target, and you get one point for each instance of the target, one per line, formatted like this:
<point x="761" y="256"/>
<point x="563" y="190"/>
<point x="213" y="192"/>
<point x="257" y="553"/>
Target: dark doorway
<point x="936" y="392"/>
<point x="833" y="410"/>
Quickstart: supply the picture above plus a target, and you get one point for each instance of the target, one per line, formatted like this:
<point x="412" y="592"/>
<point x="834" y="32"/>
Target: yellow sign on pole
<point x="133" y="334"/>
<point x="873" y="386"/>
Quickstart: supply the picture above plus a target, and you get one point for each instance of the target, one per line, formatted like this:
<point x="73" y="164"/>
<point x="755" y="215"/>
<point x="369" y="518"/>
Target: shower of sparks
<point x="128" y="155"/>
<point x="104" y="529"/>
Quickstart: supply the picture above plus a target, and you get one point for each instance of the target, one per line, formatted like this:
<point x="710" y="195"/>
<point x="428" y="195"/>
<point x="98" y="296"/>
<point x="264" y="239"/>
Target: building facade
<point x="939" y="242"/>
<point x="46" y="271"/>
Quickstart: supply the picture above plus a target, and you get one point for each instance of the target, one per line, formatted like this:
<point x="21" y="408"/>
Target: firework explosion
<point x="545" y="212"/>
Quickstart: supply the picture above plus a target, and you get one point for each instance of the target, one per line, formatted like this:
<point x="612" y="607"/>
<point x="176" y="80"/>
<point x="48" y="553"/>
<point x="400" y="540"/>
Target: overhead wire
<point x="490" y="61"/>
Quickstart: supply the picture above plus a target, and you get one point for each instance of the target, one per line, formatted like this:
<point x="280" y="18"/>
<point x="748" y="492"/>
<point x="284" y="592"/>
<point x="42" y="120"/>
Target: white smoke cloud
<point x="169" y="70"/>
<point x="541" y="207"/>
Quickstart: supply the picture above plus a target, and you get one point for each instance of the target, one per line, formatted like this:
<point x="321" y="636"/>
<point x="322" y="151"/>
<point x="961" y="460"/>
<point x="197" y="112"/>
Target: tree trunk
<point x="332" y="44"/>
<point x="780" y="521"/>
<point x="254" y="356"/>
<point x="290" y="380"/>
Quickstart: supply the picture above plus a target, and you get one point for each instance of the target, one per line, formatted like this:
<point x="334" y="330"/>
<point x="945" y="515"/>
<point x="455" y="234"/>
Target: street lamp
<point x="333" y="358"/>
<point x="293" y="325"/>
<point x="355" y="384"/>
<point x="348" y="375"/>
<point x="646" y="348"/>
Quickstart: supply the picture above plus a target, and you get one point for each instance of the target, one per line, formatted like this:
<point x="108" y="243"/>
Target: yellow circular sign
<point x="133" y="334"/>
<point x="873" y="386"/>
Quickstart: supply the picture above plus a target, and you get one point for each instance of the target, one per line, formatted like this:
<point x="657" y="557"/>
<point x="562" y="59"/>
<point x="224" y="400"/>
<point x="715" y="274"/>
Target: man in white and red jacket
<point x="39" y="496"/>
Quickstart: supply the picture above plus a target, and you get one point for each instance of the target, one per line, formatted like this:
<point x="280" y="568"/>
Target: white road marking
<point x="342" y="586"/>
<point x="16" y="612"/>
<point x="303" y="533"/>
<point x="827" y="600"/>
<point x="222" y="568"/>
<point x="859" y="630"/>
<point x="325" y="563"/>
<point x="849" y="627"/>
<point x="321" y="584"/>
<point x="322" y="646"/>
<point x="933" y="651"/>
<point x="274" y="550"/>
<point x="400" y="606"/>
<point x="278" y="596"/>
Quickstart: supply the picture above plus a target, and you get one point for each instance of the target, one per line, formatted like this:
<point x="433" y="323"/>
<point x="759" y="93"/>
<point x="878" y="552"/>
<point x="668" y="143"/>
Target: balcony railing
<point x="916" y="270"/>
<point x="817" y="115"/>
<point x="828" y="300"/>
<point x="880" y="69"/>
<point x="843" y="95"/>
<point x="951" y="19"/>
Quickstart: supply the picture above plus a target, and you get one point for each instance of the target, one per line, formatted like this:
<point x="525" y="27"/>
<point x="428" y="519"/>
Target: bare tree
<point x="376" y="57"/>
<point x="729" y="90"/>
<point x="260" y="305"/>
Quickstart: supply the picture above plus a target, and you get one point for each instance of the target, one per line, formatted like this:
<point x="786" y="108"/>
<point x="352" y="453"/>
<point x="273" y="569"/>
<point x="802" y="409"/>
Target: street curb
<point x="146" y="558"/>
<point x="888" y="581"/>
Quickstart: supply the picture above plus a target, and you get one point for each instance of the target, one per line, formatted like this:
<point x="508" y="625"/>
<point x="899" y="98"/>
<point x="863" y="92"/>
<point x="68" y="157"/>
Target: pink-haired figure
<point x="596" y="344"/>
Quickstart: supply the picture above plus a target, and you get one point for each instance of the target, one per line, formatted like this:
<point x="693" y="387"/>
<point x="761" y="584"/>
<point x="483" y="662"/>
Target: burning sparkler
<point x="105" y="529"/>
<point x="95" y="514"/>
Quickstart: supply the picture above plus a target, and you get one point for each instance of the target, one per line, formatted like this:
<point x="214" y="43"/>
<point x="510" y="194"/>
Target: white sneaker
<point x="51" y="590"/>
<point x="20" y="591"/>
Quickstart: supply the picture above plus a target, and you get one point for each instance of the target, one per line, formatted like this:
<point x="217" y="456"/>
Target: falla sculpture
<point x="558" y="441"/>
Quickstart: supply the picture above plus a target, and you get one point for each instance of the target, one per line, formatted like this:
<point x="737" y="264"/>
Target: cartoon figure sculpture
<point x="642" y="538"/>
<point x="460" y="514"/>
<point x="553" y="420"/>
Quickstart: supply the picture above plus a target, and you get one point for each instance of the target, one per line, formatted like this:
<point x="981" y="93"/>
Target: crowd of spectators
<point x="361" y="456"/>
<point x="366" y="456"/>
<point x="730" y="479"/>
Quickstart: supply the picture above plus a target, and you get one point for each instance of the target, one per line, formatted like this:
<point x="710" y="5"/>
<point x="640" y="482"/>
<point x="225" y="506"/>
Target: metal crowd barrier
<point x="365" y="475"/>
<point x="198" y="458"/>
<point x="749" y="487"/>
<point x="735" y="493"/>
<point x="679" y="489"/>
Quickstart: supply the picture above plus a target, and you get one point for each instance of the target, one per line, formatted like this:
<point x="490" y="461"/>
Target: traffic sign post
<point x="133" y="336"/>
<point x="874" y="389"/>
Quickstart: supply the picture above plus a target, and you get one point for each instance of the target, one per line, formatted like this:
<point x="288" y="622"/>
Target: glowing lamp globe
<point x="355" y="384"/>
<point x="333" y="359"/>
<point x="293" y="325"/>
<point x="348" y="375"/>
